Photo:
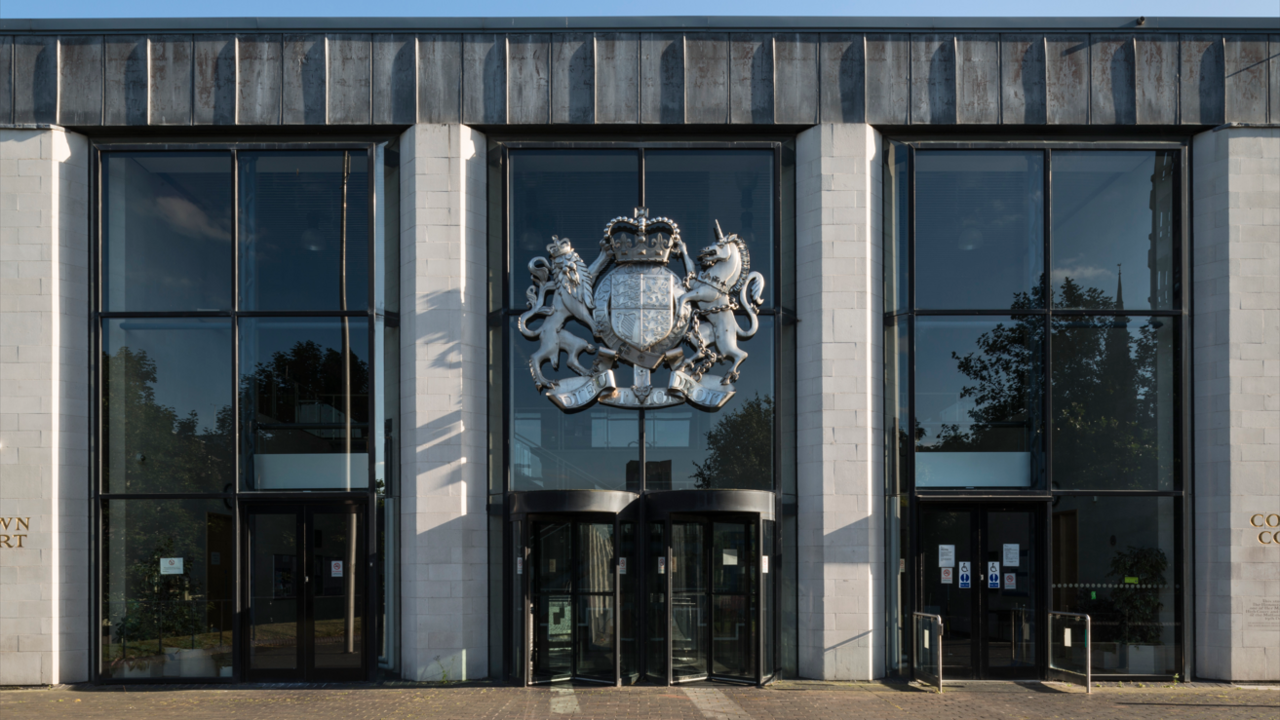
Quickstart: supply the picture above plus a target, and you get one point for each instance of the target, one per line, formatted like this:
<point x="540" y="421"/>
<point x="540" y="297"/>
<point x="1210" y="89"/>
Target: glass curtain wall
<point x="1034" y="345"/>
<point x="570" y="192"/>
<point x="243" y="321"/>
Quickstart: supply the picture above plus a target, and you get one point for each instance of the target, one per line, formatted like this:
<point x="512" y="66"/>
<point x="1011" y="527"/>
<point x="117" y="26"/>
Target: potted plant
<point x="1140" y="573"/>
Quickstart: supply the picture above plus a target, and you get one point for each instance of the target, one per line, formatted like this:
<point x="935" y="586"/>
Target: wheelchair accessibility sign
<point x="965" y="577"/>
<point x="993" y="575"/>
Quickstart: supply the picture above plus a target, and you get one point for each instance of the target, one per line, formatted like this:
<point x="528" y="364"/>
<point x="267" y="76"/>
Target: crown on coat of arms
<point x="558" y="247"/>
<point x="640" y="239"/>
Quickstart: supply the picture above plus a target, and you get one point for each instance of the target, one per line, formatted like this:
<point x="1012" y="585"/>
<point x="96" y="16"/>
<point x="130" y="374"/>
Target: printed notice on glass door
<point x="1011" y="554"/>
<point x="947" y="556"/>
<point x="335" y="568"/>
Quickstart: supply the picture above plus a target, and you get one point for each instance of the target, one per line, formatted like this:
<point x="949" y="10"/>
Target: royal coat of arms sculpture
<point x="643" y="314"/>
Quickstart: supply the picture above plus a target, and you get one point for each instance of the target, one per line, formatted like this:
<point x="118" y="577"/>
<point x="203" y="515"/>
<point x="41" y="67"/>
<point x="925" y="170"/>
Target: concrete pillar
<point x="443" y="364"/>
<point x="1236" y="295"/>
<point x="44" y="462"/>
<point x="839" y="370"/>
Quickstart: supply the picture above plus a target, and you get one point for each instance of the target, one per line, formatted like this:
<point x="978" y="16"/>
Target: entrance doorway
<point x="573" y="589"/>
<point x="981" y="573"/>
<point x="305" y="612"/>
<point x="715" y="585"/>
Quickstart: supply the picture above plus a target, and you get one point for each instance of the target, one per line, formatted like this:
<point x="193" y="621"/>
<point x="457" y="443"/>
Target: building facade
<point x="640" y="350"/>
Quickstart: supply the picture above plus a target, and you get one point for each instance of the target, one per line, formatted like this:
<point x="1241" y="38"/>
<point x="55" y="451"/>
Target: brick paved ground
<point x="800" y="700"/>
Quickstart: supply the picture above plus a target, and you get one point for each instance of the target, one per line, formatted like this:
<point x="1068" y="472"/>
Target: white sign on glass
<point x="622" y="566"/>
<point x="1066" y="637"/>
<point x="965" y="577"/>
<point x="946" y="576"/>
<point x="170" y="566"/>
<point x="764" y="564"/>
<point x="993" y="575"/>
<point x="946" y="556"/>
<point x="1010" y="581"/>
<point x="1011" y="554"/>
<point x="335" y="568"/>
<point x="730" y="557"/>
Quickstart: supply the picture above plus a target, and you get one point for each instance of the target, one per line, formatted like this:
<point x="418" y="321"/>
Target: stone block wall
<point x="44" y="431"/>
<point x="443" y="366"/>
<point x="839" y="389"/>
<point x="1236" y="296"/>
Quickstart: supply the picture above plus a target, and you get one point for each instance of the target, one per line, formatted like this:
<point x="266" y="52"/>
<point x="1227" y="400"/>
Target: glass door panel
<point x="734" y="590"/>
<point x="689" y="602"/>
<point x="553" y="604"/>
<point x="656" y="605"/>
<point x="946" y="549"/>
<point x="595" y="643"/>
<point x="1011" y="608"/>
<point x="275" y="593"/>
<point x="336" y="590"/>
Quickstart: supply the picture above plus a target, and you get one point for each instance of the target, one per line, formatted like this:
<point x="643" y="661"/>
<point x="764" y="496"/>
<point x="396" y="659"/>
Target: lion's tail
<point x="751" y="295"/>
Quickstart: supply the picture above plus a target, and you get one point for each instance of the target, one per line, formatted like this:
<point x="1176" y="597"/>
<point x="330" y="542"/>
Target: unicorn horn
<point x="719" y="232"/>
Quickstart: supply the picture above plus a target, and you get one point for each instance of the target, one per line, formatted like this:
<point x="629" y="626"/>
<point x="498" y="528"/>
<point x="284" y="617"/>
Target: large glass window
<point x="1074" y="399"/>
<point x="573" y="194"/>
<point x="236" y="339"/>
<point x="166" y="231"/>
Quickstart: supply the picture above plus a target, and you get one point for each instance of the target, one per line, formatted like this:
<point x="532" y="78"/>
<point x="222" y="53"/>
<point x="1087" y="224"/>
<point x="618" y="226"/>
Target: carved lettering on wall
<point x="10" y="537"/>
<point x="1262" y="614"/>
<point x="1270" y="535"/>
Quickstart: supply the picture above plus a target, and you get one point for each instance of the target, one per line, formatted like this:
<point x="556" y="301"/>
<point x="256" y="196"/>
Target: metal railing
<point x="1070" y="649"/>
<point x="926" y="656"/>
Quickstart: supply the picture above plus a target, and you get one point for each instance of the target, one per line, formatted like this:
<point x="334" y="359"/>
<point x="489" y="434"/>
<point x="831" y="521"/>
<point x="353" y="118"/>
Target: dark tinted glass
<point x="897" y="408"/>
<point x="304" y="402"/>
<point x="168" y="580"/>
<point x="1114" y="403"/>
<point x="1117" y="559"/>
<point x="687" y="448"/>
<point x="897" y="192"/>
<point x="1112" y="212"/>
<point x="596" y="449"/>
<point x="166" y="227"/>
<point x="166" y="406"/>
<point x="979" y="229"/>
<point x="696" y="188"/>
<point x="569" y="193"/>
<point x="304" y="230"/>
<point x="978" y="388"/>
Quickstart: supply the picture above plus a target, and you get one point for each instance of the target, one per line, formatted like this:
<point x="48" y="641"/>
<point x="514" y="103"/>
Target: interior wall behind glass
<point x="167" y="583"/>
<point x="167" y="392"/>
<point x="167" y="231"/>
<point x="1118" y="559"/>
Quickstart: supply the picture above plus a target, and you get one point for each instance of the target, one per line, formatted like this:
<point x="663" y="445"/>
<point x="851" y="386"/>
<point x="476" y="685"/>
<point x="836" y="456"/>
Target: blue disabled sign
<point x="993" y="575"/>
<point x="965" y="577"/>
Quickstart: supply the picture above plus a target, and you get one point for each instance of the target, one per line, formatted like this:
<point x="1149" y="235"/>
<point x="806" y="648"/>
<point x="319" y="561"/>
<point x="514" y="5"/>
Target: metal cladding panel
<point x="888" y="64"/>
<point x="1067" y="79"/>
<point x="933" y="79"/>
<point x="1275" y="79"/>
<point x="170" y="87"/>
<point x="80" y="80"/>
<point x="529" y="79"/>
<point x="484" y="79"/>
<point x="259" y="79"/>
<point x="573" y="78"/>
<point x="796" y="78"/>
<point x="706" y="73"/>
<point x="1246" y="78"/>
<point x="750" y="78"/>
<point x="215" y="80"/>
<point x="662" y="95"/>
<point x="350" y="79"/>
<point x="35" y="79"/>
<point x="1111" y="81"/>
<point x="617" y="78"/>
<point x="1022" y="92"/>
<point x="303" y="81"/>
<point x="843" y="78"/>
<point x="439" y="78"/>
<point x="978" y="79"/>
<point x="1203" y="86"/>
<point x="395" y="79"/>
<point x="6" y="79"/>
<point x="125" y="81"/>
<point x="1156" y="79"/>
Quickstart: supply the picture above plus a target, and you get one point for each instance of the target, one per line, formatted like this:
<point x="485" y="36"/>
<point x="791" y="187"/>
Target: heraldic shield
<point x="645" y="315"/>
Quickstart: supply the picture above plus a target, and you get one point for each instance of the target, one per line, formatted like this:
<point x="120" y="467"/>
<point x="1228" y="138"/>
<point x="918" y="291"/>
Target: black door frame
<point x="980" y="508"/>
<point x="305" y="669"/>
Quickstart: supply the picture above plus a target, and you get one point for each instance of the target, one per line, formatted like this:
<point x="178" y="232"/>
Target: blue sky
<point x="506" y="8"/>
